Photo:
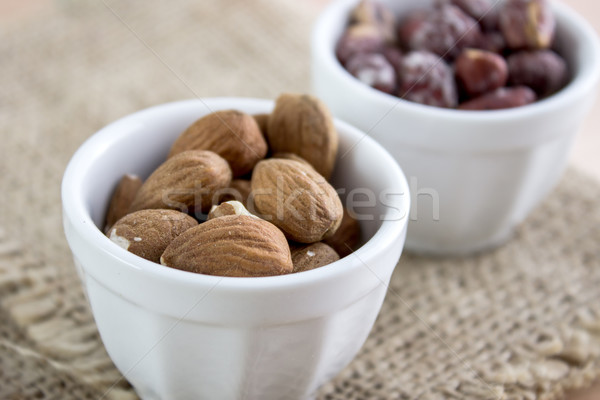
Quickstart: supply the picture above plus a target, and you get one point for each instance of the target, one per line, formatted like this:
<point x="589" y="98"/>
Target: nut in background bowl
<point x="176" y="334"/>
<point x="474" y="175"/>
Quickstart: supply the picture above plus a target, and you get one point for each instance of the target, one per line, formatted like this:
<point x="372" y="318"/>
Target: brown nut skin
<point x="479" y="71"/>
<point x="347" y="238"/>
<point x="296" y="199"/>
<point x="233" y="245"/>
<point x="483" y="11"/>
<point x="290" y="156"/>
<point x="408" y="25"/>
<point x="121" y="199"/>
<point x="313" y="256"/>
<point x="445" y="31"/>
<point x="232" y="134"/>
<point x="188" y="181"/>
<point x="262" y="120"/>
<point x="374" y="13"/>
<point x="394" y="56"/>
<point x="373" y="70"/>
<point x="427" y="79"/>
<point x="544" y="71"/>
<point x="303" y="125"/>
<point x="527" y="24"/>
<point x="147" y="233"/>
<point x="500" y="99"/>
<point x="238" y="190"/>
<point x="492" y="41"/>
<point x="360" y="38"/>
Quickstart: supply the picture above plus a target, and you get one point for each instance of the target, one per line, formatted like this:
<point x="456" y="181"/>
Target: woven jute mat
<point x="522" y="322"/>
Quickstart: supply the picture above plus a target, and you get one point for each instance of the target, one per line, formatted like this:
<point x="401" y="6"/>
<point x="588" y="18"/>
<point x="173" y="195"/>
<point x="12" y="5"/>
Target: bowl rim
<point x="76" y="213"/>
<point x="588" y="73"/>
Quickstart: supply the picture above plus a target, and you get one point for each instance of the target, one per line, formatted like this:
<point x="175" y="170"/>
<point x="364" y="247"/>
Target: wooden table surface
<point x="585" y="154"/>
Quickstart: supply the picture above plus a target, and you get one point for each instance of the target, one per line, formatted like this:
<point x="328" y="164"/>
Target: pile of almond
<point x="241" y="195"/>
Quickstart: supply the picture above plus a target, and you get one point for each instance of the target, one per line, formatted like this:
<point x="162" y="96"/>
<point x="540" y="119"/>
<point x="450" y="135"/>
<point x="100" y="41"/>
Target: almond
<point x="188" y="182"/>
<point x="232" y="134"/>
<point x="233" y="245"/>
<point x="302" y="124"/>
<point x="347" y="238"/>
<point x="121" y="199"/>
<point x="313" y="256"/>
<point x="297" y="199"/>
<point x="147" y="233"/>
<point x="290" y="156"/>
<point x="263" y="122"/>
<point x="228" y="208"/>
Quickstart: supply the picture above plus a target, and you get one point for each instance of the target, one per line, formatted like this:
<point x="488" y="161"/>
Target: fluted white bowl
<point x="179" y="335"/>
<point x="474" y="175"/>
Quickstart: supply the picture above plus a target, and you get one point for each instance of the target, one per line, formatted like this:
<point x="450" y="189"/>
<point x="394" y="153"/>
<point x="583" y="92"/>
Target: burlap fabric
<point x="522" y="322"/>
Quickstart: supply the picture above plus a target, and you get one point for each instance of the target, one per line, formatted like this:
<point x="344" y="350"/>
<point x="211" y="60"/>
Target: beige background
<point x="585" y="155"/>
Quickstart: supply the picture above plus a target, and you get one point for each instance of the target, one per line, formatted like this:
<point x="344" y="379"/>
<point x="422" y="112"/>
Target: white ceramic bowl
<point x="474" y="176"/>
<point x="179" y="335"/>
